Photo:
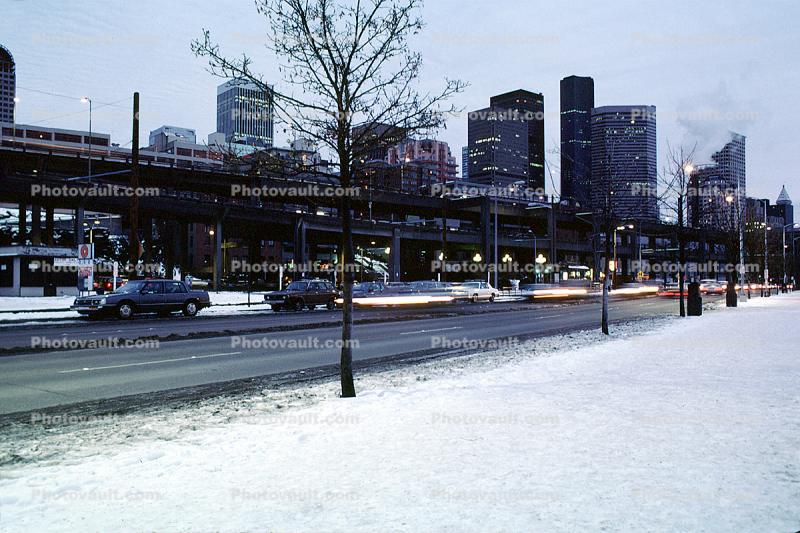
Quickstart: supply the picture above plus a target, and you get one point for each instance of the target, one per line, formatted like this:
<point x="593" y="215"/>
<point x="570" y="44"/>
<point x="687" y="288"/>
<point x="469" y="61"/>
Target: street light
<point x="766" y="250"/>
<point x="540" y="261"/>
<point x="87" y="100"/>
<point x="730" y="199"/>
<point x="783" y="249"/>
<point x="532" y="207"/>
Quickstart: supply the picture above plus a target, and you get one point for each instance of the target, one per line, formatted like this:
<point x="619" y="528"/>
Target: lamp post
<point x="783" y="249"/>
<point x="87" y="100"/>
<point x="739" y="216"/>
<point x="534" y="206"/>
<point x="766" y="250"/>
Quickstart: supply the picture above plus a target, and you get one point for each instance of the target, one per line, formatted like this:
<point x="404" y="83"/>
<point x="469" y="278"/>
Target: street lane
<point x="40" y="380"/>
<point x="20" y="336"/>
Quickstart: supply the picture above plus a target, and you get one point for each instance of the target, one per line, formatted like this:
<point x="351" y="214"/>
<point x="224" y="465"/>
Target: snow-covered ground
<point x="672" y="425"/>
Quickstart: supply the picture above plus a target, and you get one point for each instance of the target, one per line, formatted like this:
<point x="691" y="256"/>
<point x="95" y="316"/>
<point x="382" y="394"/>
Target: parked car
<point x="104" y="284"/>
<point x="162" y="296"/>
<point x="303" y="293"/>
<point x="477" y="290"/>
<point x="368" y="288"/>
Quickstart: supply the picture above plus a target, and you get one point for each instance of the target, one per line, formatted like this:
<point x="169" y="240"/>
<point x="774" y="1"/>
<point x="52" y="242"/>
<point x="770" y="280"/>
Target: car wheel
<point x="190" y="308"/>
<point x="125" y="310"/>
<point x="277" y="308"/>
<point x="293" y="305"/>
<point x="331" y="305"/>
<point x="491" y="298"/>
<point x="474" y="298"/>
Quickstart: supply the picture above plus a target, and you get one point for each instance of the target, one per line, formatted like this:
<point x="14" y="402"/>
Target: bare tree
<point x="677" y="188"/>
<point x="350" y="85"/>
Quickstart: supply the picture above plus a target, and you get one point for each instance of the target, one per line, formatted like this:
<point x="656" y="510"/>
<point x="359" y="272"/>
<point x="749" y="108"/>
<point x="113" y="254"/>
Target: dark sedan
<point x="161" y="296"/>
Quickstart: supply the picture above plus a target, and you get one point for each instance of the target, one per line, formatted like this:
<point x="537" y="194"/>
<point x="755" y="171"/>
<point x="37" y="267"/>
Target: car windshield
<point x="131" y="286"/>
<point x="297" y="286"/>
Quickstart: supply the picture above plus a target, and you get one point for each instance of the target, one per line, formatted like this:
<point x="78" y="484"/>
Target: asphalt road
<point x="23" y="335"/>
<point x="33" y="381"/>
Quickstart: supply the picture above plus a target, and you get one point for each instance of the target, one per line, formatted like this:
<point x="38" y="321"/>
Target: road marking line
<point x="89" y="369"/>
<point x="431" y="330"/>
<point x="549" y="316"/>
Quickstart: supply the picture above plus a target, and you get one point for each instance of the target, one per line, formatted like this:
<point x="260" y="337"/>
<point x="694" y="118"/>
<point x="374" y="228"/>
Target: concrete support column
<point x="486" y="230"/>
<point x="218" y="255"/>
<point x="300" y="256"/>
<point x="395" y="255"/>
<point x="78" y="225"/>
<point x="23" y="224"/>
<point x="49" y="226"/>
<point x="36" y="225"/>
<point x="17" y="275"/>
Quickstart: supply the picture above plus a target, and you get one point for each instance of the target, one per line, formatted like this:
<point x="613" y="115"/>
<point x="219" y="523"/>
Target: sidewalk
<point x="691" y="427"/>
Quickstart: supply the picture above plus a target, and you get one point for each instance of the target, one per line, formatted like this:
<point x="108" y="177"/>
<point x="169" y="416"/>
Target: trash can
<point x="695" y="303"/>
<point x="731" y="298"/>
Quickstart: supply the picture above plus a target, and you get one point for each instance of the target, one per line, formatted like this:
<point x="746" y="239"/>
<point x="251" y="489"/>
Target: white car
<point x="478" y="290"/>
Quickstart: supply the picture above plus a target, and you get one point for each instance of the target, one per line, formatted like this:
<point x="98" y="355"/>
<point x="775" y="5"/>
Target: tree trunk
<point x="606" y="284"/>
<point x="348" y="261"/>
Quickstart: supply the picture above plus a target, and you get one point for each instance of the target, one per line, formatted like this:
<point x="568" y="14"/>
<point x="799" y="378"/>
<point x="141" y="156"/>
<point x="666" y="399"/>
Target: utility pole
<point x="133" y="235"/>
<point x="444" y="238"/>
<point x="740" y="215"/>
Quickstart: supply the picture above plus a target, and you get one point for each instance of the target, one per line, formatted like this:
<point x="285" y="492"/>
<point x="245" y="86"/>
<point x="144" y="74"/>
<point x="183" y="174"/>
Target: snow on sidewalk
<point x="44" y="308"/>
<point x="692" y="427"/>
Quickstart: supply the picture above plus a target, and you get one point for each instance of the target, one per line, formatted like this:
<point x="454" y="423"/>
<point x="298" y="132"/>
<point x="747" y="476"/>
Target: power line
<point x="68" y="97"/>
<point x="101" y="106"/>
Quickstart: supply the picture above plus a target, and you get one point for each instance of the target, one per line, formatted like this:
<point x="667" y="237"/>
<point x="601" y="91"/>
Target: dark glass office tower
<point x="531" y="108"/>
<point x="498" y="147"/>
<point x="624" y="165"/>
<point x="577" y="101"/>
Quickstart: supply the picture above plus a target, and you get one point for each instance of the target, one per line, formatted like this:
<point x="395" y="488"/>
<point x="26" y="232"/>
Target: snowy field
<point x="673" y="425"/>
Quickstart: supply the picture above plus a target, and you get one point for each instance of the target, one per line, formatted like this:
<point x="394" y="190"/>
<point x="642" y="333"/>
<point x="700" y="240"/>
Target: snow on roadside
<point x="18" y="308"/>
<point x="692" y="426"/>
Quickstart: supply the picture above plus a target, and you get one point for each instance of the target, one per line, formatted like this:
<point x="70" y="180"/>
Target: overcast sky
<point x="709" y="67"/>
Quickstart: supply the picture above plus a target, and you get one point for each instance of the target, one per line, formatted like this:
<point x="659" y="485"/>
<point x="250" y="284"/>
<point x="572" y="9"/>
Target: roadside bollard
<point x="695" y="303"/>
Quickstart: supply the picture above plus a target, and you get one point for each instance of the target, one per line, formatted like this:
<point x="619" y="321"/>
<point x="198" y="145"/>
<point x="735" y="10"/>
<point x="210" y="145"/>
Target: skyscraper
<point x="465" y="163"/>
<point x="713" y="205"/>
<point x="423" y="163"/>
<point x="8" y="85"/>
<point x="577" y="101"/>
<point x="245" y="113"/>
<point x="530" y="105"/>
<point x="624" y="166"/>
<point x="783" y="208"/>
<point x="498" y="147"/>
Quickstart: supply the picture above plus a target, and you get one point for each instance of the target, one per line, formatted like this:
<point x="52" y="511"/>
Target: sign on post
<point x="85" y="267"/>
